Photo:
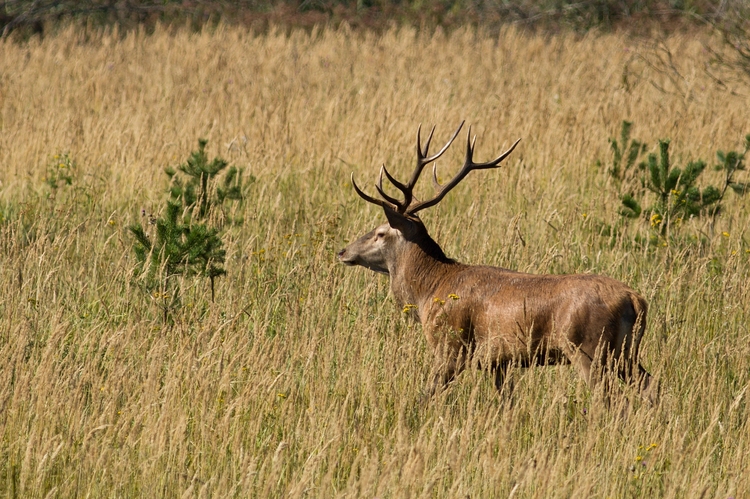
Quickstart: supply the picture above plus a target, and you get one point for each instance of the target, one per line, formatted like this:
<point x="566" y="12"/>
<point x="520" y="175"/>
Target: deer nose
<point x="341" y="253"/>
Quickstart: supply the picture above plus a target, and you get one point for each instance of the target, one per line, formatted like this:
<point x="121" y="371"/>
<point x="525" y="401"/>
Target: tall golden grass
<point x="302" y="378"/>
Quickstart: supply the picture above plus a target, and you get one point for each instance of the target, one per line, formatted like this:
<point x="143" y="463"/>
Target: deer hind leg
<point x="647" y="386"/>
<point x="594" y="369"/>
<point x="631" y="372"/>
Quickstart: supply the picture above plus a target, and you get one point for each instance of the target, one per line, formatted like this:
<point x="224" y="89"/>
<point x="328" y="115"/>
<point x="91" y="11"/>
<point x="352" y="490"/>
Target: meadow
<point x="302" y="378"/>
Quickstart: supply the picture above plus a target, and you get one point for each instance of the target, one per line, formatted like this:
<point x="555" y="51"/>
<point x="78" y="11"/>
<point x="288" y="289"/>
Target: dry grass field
<point x="303" y="379"/>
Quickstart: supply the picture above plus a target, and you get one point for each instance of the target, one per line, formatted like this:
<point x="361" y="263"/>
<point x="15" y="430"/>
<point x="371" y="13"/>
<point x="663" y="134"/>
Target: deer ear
<point x="399" y="221"/>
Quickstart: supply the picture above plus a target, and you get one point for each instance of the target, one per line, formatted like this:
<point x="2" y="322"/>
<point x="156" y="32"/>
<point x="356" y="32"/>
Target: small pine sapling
<point x="196" y="190"/>
<point x="185" y="241"/>
<point x="730" y="163"/>
<point x="179" y="248"/>
<point x="625" y="153"/>
<point x="676" y="195"/>
<point x="626" y="170"/>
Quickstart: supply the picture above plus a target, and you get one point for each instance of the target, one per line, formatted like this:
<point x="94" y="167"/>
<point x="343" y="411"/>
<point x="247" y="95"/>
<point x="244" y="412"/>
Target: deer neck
<point x="417" y="271"/>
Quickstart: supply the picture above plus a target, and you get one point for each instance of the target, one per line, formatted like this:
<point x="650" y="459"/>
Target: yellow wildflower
<point x="453" y="296"/>
<point x="655" y="220"/>
<point x="409" y="307"/>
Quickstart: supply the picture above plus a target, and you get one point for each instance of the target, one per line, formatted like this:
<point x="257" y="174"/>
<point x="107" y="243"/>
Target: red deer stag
<point x="494" y="315"/>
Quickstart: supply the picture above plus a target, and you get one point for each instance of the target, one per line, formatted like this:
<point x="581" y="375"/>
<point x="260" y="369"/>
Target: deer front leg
<point x="450" y="360"/>
<point x="503" y="383"/>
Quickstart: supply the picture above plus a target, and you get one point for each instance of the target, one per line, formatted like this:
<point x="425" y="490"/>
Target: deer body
<point x="493" y="315"/>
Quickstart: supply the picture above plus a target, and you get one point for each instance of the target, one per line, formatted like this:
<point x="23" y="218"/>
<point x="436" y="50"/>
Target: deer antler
<point x="406" y="206"/>
<point x="422" y="161"/>
<point x="469" y="165"/>
<point x="407" y="189"/>
<point x="371" y="199"/>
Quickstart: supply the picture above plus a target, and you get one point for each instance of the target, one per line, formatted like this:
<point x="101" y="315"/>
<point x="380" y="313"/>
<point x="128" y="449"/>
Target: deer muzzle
<point x="343" y="258"/>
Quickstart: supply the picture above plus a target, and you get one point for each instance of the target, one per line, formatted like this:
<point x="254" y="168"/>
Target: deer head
<point x="380" y="249"/>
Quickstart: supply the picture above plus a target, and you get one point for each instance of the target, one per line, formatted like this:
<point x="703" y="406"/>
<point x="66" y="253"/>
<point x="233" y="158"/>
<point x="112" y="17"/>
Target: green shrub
<point x="187" y="240"/>
<point x="671" y="194"/>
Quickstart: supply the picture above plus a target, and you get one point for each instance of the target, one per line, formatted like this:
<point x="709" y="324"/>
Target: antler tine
<point x="422" y="160"/>
<point x="495" y="162"/>
<point x="435" y="182"/>
<point x="370" y="199"/>
<point x="401" y="187"/>
<point x="468" y="166"/>
<point x="422" y="152"/>
<point x="379" y="187"/>
<point x="445" y="147"/>
<point x="469" y="158"/>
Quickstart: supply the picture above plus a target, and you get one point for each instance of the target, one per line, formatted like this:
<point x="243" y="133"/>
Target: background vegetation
<point x="301" y="377"/>
<point x="581" y="15"/>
